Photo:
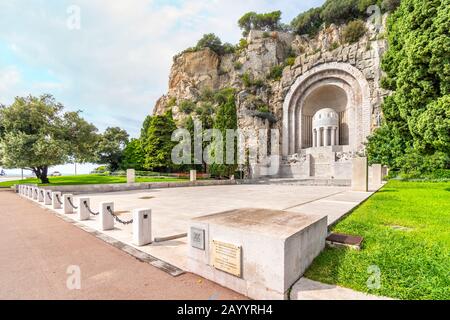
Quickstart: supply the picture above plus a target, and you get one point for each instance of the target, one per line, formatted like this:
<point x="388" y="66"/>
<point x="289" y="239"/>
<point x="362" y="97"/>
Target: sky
<point x="111" y="59"/>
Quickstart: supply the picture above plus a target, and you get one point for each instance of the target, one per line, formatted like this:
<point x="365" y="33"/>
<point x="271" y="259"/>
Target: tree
<point x="260" y="21"/>
<point x="110" y="147"/>
<point x="36" y="134"/>
<point x="133" y="155"/>
<point x="308" y="22"/>
<point x="158" y="143"/>
<point x="417" y="114"/>
<point x="211" y="41"/>
<point x="226" y="118"/>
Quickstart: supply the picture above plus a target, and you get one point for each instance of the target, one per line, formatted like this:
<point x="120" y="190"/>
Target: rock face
<point x="193" y="72"/>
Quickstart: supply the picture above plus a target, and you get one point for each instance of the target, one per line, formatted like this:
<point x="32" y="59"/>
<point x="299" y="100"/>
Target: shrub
<point x="334" y="46"/>
<point x="243" y="44"/>
<point x="211" y="41"/>
<point x="238" y="65"/>
<point x="390" y="5"/>
<point x="290" y="61"/>
<point x="266" y="34"/>
<point x="187" y="106"/>
<point x="260" y="21"/>
<point x="172" y="102"/>
<point x="353" y="31"/>
<point x="275" y="73"/>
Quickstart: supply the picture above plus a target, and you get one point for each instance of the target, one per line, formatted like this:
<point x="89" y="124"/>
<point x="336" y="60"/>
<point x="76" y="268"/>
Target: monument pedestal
<point x="257" y="252"/>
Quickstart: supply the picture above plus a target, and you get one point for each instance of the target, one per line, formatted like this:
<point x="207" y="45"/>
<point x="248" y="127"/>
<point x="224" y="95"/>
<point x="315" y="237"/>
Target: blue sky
<point x="116" y="65"/>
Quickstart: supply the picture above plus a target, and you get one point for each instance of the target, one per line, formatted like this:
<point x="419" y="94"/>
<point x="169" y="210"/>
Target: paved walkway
<point x="37" y="247"/>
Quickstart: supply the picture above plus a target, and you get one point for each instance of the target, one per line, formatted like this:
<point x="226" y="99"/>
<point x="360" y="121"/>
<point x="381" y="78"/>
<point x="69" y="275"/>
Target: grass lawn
<point x="414" y="262"/>
<point x="87" y="179"/>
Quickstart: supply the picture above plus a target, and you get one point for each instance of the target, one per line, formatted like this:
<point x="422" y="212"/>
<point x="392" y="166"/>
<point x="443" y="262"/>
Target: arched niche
<point x="337" y="85"/>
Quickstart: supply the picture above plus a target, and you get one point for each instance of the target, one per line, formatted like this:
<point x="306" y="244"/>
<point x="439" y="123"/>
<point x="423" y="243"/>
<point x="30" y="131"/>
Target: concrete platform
<point x="173" y="208"/>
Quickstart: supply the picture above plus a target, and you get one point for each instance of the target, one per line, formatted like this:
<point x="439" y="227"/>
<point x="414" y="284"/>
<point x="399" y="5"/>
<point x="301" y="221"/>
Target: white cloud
<point x="117" y="65"/>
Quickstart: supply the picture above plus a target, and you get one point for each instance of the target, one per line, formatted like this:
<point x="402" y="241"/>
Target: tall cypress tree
<point x="158" y="145"/>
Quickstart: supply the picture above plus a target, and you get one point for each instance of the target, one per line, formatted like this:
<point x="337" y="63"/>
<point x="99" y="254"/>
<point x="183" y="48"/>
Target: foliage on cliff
<point x="415" y="136"/>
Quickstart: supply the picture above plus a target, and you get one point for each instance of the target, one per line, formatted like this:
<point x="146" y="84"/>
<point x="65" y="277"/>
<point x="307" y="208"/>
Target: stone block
<point x="47" y="197"/>
<point x="131" y="176"/>
<point x="56" y="200"/>
<point x="68" y="203"/>
<point x="360" y="175"/>
<point x="83" y="212"/>
<point x="41" y="194"/>
<point x="257" y="252"/>
<point x="193" y="175"/>
<point x="377" y="175"/>
<point x="142" y="226"/>
<point x="106" y="219"/>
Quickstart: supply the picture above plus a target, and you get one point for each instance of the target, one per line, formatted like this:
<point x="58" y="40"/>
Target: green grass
<point x="414" y="263"/>
<point x="87" y="179"/>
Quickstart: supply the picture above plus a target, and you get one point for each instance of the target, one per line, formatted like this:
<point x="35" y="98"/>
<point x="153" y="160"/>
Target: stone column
<point x="313" y="137"/>
<point x="131" y="176"/>
<point x="377" y="176"/>
<point x="319" y="137"/>
<point x="324" y="136"/>
<point x="333" y="136"/>
<point x="360" y="174"/>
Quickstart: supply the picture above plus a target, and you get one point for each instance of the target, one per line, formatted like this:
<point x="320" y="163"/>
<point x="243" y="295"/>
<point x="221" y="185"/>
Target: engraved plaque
<point x="226" y="257"/>
<point x="198" y="238"/>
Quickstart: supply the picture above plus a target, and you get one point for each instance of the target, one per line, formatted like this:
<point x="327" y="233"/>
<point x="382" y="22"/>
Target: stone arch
<point x="341" y="75"/>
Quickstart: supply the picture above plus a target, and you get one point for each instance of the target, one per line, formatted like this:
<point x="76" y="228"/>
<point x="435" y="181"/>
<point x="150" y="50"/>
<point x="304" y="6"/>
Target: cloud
<point x="117" y="64"/>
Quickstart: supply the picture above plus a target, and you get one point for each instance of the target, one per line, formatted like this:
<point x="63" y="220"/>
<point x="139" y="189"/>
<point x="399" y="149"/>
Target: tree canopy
<point x="110" y="147"/>
<point x="35" y="133"/>
<point x="415" y="136"/>
<point x="260" y="21"/>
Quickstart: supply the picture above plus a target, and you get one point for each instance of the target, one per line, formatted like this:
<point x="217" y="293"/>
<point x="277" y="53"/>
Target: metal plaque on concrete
<point x="226" y="257"/>
<point x="198" y="238"/>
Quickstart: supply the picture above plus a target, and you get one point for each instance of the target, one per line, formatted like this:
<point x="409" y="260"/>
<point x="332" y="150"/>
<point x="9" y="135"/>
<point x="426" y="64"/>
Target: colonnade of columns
<point x="325" y="136"/>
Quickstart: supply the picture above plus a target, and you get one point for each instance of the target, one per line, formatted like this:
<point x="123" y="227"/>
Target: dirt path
<point x="37" y="248"/>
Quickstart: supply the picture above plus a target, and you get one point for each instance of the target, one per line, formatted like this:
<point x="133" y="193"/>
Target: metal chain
<point x="42" y="192"/>
<point x="70" y="202"/>
<point x="49" y="195"/>
<point x="89" y="209"/>
<point x="117" y="218"/>
<point x="57" y="199"/>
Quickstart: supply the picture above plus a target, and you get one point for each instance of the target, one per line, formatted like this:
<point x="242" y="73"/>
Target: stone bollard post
<point x="131" y="176"/>
<point x="67" y="203"/>
<point x="360" y="175"/>
<point x="193" y="175"/>
<point x="142" y="226"/>
<point x="28" y="192"/>
<point x="56" y="198"/>
<point x="48" y="197"/>
<point x="20" y="189"/>
<point x="35" y="193"/>
<point x="83" y="212"/>
<point x="377" y="174"/>
<point x="106" y="219"/>
<point x="41" y="195"/>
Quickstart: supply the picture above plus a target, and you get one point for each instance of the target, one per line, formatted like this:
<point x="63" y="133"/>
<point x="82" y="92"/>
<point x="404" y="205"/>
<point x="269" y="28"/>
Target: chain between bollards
<point x="89" y="209"/>
<point x="70" y="202"/>
<point x="59" y="200"/>
<point x="117" y="218"/>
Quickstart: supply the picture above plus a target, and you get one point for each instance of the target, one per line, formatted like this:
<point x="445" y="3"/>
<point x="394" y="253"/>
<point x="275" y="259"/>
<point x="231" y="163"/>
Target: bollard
<point x="193" y="175"/>
<point x="142" y="226"/>
<point x="83" y="212"/>
<point x="47" y="197"/>
<point x="67" y="203"/>
<point x="377" y="175"/>
<point x="106" y="219"/>
<point x="41" y="193"/>
<point x="35" y="193"/>
<point x="360" y="174"/>
<point x="29" y="192"/>
<point x="20" y="189"/>
<point x="131" y="176"/>
<point x="56" y="200"/>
